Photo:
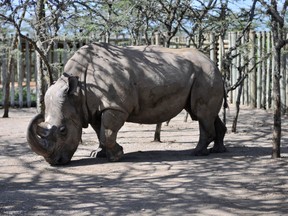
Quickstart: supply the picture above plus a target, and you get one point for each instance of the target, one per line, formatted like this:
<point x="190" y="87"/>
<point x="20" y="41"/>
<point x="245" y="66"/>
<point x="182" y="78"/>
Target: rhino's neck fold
<point x="83" y="107"/>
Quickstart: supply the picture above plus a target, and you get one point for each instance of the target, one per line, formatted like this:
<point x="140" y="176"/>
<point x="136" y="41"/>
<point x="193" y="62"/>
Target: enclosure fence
<point x="251" y="66"/>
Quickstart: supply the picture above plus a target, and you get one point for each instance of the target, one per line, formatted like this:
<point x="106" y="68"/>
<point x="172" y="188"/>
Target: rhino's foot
<point x="115" y="154"/>
<point x="99" y="153"/>
<point x="202" y="152"/>
<point x="218" y="149"/>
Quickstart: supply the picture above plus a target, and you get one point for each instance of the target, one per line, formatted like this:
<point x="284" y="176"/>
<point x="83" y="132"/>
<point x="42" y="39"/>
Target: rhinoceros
<point x="105" y="86"/>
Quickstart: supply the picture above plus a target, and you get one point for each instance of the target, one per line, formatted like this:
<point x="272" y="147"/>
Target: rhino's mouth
<point x="58" y="160"/>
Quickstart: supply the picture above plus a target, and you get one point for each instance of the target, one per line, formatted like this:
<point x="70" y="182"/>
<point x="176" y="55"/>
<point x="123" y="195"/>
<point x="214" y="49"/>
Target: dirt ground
<point x="153" y="178"/>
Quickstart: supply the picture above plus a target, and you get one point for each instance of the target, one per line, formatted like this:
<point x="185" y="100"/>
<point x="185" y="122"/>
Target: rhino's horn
<point x="37" y="143"/>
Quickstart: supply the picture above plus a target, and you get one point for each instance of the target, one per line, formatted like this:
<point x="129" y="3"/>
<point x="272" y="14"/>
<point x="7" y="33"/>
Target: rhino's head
<point x="57" y="135"/>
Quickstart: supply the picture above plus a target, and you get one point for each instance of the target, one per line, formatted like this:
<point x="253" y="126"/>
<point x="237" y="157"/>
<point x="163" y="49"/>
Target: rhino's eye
<point x="63" y="130"/>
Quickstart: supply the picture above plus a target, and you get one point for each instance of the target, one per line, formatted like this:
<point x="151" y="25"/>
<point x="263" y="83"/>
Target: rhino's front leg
<point x="101" y="151"/>
<point x="111" y="122"/>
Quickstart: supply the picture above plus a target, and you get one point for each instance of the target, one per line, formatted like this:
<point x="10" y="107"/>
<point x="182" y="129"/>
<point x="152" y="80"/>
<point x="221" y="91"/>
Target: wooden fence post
<point x="28" y="72"/>
<point x="229" y="76"/>
<point x="12" y="85"/>
<point x="4" y="68"/>
<point x="34" y="60"/>
<point x="157" y="39"/>
<point x="285" y="61"/>
<point x="272" y="70"/>
<point x="20" y="71"/>
<point x="244" y="59"/>
<point x="286" y="80"/>
<point x="237" y="72"/>
<point x="268" y="74"/>
<point x="264" y="71"/>
<point x="259" y="71"/>
<point x="1" y="53"/>
<point x="12" y="76"/>
<point x="65" y="52"/>
<point x="56" y="58"/>
<point x="234" y="72"/>
<point x="220" y="53"/>
<point x="252" y="74"/>
<point x="153" y="39"/>
<point x="74" y="46"/>
<point x="242" y="62"/>
<point x="187" y="42"/>
<point x="212" y="47"/>
<point x="283" y="84"/>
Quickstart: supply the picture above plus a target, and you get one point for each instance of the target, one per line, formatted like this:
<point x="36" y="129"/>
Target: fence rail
<point x="256" y="88"/>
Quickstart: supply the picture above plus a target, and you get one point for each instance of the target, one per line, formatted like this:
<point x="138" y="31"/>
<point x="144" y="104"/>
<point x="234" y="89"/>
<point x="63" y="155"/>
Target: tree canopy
<point x="135" y="17"/>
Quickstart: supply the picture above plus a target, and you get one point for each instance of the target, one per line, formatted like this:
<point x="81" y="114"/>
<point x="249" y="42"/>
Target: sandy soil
<point x="153" y="178"/>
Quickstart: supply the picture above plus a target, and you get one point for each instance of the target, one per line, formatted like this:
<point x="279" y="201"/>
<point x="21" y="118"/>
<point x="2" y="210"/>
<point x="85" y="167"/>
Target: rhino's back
<point x="150" y="84"/>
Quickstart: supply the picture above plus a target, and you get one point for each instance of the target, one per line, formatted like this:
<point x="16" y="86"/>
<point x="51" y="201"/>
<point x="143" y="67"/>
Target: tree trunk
<point x="41" y="87"/>
<point x="277" y="105"/>
<point x="252" y="83"/>
<point x="234" y="125"/>
<point x="9" y="72"/>
<point x="40" y="32"/>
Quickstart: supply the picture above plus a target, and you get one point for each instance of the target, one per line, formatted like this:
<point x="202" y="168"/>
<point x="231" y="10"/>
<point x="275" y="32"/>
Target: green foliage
<point x="17" y="95"/>
<point x="33" y="95"/>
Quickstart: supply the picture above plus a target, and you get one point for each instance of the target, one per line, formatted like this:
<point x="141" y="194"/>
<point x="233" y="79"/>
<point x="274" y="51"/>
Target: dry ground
<point x="153" y="178"/>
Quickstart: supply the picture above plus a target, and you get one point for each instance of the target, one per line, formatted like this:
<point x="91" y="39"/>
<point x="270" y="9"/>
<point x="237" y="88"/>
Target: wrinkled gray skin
<point x="105" y="86"/>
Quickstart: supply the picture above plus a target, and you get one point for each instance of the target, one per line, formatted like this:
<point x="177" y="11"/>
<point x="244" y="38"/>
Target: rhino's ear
<point x="73" y="84"/>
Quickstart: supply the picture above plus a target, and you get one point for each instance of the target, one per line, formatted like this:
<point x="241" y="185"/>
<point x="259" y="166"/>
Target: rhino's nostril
<point x="62" y="160"/>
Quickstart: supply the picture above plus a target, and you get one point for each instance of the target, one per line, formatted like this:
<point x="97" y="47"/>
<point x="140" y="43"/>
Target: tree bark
<point x="277" y="27"/>
<point x="238" y="101"/>
<point x="40" y="32"/>
<point x="277" y="106"/>
<point x="41" y="86"/>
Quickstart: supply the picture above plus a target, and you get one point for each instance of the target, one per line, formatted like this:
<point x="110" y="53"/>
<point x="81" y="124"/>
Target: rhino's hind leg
<point x="207" y="135"/>
<point x="111" y="122"/>
<point x="219" y="139"/>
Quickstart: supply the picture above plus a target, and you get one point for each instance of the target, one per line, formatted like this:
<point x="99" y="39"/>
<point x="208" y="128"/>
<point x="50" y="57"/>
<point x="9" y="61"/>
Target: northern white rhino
<point x="105" y="86"/>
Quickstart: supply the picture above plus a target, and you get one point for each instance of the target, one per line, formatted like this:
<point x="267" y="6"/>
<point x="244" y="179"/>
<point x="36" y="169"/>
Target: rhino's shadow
<point x="177" y="155"/>
<point x="138" y="157"/>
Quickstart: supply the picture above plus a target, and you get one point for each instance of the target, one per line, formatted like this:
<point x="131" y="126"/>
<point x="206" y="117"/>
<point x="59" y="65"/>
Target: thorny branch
<point x="242" y="68"/>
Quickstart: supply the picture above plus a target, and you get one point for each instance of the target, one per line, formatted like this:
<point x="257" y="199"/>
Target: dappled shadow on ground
<point x="149" y="183"/>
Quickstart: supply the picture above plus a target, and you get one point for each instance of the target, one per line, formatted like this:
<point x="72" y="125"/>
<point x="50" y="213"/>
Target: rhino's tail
<point x="225" y="104"/>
